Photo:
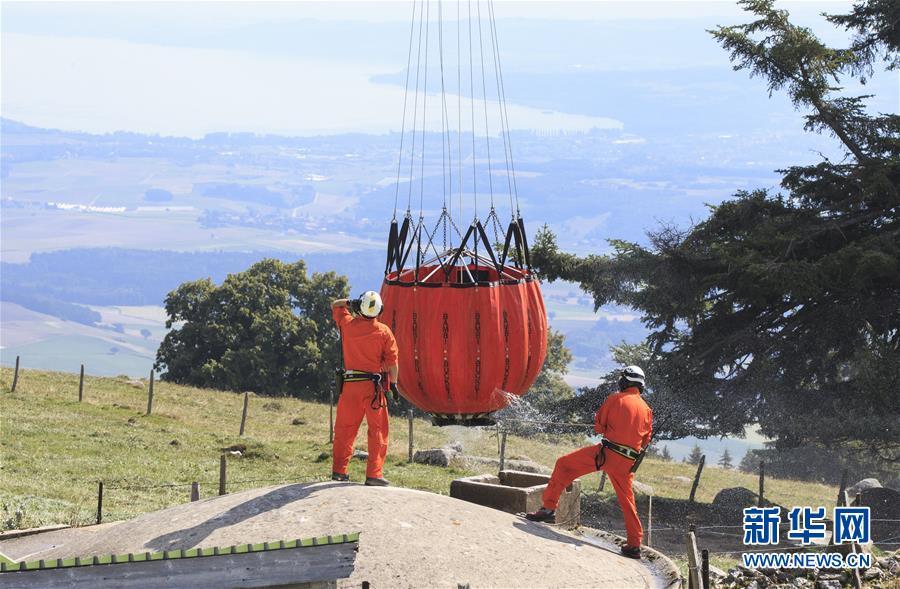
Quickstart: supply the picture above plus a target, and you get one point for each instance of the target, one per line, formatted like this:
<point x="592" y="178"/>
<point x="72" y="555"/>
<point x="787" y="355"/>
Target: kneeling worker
<point x="369" y="373"/>
<point x="625" y="421"/>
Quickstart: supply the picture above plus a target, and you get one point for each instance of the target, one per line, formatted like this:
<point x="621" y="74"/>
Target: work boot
<point x="336" y="476"/>
<point x="631" y="551"/>
<point x="542" y="515"/>
<point x="377" y="482"/>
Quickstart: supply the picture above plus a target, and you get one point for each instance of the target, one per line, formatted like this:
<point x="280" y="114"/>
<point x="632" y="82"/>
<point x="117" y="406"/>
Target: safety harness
<point x="620" y="449"/>
<point x="378" y="400"/>
<point x="343" y="375"/>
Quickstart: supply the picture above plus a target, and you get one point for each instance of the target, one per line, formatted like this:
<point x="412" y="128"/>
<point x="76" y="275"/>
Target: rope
<point x="412" y="27"/>
<point x="459" y="97"/>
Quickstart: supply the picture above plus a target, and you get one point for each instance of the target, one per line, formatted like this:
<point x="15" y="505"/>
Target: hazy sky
<point x="305" y="67"/>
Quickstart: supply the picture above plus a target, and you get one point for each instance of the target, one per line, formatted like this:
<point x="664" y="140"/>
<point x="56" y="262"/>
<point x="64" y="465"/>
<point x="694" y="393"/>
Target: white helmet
<point x="370" y="304"/>
<point x="633" y="374"/>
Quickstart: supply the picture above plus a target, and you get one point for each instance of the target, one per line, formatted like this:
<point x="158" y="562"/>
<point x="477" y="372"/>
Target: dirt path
<point x="408" y="538"/>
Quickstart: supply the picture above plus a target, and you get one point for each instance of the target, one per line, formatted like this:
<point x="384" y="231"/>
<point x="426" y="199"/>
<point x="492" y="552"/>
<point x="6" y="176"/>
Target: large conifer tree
<point x="782" y="308"/>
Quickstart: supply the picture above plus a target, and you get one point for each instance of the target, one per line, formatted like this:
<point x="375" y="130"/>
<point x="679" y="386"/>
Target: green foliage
<point x="725" y="459"/>
<point x="780" y="309"/>
<point x="550" y="386"/>
<point x="267" y="329"/>
<point x="821" y="463"/>
<point x="695" y="456"/>
<point x="665" y="455"/>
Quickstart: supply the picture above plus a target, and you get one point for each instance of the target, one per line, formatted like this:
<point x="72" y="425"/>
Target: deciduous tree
<point x="267" y="329"/>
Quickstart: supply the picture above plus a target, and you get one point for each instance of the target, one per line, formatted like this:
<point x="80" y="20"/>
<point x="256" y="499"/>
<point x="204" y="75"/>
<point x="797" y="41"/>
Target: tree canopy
<point x="267" y="329"/>
<point x="782" y="307"/>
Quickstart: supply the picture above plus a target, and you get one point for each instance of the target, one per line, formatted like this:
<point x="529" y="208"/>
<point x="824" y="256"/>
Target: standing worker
<point x="626" y="422"/>
<point x="368" y="375"/>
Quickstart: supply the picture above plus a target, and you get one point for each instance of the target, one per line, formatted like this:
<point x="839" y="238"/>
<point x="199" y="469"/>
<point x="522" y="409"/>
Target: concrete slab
<point x="518" y="492"/>
<point x="408" y="538"/>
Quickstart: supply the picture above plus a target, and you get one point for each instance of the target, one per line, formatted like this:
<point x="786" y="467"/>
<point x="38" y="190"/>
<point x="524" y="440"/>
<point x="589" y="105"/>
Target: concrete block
<point x="517" y="492"/>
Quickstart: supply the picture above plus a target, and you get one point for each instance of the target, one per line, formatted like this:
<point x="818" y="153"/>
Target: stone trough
<point x="517" y="492"/>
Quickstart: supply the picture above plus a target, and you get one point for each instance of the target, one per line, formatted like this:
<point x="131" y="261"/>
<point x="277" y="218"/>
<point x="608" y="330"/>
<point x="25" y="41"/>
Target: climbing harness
<point x="378" y="400"/>
<point x="620" y="449"/>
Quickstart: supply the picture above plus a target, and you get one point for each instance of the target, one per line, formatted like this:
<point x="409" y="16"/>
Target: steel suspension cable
<point x="512" y="162"/>
<point x="472" y="105"/>
<point x="504" y="127"/>
<point x="412" y="151"/>
<point x="424" y="113"/>
<point x="445" y="126"/>
<point x="412" y="28"/>
<point x="487" y="133"/>
<point x="459" y="96"/>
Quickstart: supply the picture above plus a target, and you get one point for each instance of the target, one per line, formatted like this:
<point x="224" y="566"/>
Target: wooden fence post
<point x="693" y="559"/>
<point x="409" y="416"/>
<point x="697" y="478"/>
<point x="195" y="491"/>
<point x="842" y="488"/>
<point x="15" y="377"/>
<point x="602" y="481"/>
<point x="81" y="384"/>
<point x="150" y="394"/>
<point x="762" y="483"/>
<point x="222" y="467"/>
<point x="649" y="519"/>
<point x="244" y="413"/>
<point x="502" y="450"/>
<point x="330" y="416"/>
<point x="100" y="503"/>
<point x="704" y="568"/>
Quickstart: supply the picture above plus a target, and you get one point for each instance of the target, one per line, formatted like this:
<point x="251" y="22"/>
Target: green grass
<point x="53" y="450"/>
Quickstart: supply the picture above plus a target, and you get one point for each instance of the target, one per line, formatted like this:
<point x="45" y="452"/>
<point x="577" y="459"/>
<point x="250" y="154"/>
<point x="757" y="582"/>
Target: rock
<point x="872" y="574"/>
<point x="735" y="498"/>
<point x="434" y="456"/>
<point x="716" y="573"/>
<point x="360" y="455"/>
<point x="174" y="443"/>
<point x="802" y="583"/>
<point x="828" y="584"/>
<point x="642" y="488"/>
<point x="885" y="506"/>
<point x="862" y="486"/>
<point x="298" y="421"/>
<point x="455" y="447"/>
<point x="682" y="479"/>
<point x="893" y="484"/>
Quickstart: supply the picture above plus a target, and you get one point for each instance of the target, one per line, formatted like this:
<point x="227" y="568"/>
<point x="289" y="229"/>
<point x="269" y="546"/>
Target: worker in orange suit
<point x="368" y="376"/>
<point x="625" y="421"/>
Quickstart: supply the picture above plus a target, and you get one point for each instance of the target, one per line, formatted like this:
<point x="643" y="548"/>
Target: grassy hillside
<point x="53" y="450"/>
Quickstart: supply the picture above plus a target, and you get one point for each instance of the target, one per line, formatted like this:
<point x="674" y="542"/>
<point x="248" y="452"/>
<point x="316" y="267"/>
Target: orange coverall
<point x="624" y="418"/>
<point x="368" y="346"/>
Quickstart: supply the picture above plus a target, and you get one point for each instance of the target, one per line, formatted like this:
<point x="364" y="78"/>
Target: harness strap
<point x="378" y="400"/>
<point x="360" y="376"/>
<point x="621" y="449"/>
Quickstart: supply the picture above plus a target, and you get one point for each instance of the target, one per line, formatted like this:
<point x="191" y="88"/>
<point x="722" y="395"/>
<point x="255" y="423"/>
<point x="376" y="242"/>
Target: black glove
<point x="355" y="306"/>
<point x="394" y="393"/>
